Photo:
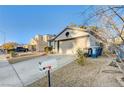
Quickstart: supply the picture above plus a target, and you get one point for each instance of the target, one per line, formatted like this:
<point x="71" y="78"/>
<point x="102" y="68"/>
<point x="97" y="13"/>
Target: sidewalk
<point x="3" y="60"/>
<point x="8" y="77"/>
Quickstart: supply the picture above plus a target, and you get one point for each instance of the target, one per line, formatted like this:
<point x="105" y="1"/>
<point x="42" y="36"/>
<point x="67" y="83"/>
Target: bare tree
<point x="109" y="19"/>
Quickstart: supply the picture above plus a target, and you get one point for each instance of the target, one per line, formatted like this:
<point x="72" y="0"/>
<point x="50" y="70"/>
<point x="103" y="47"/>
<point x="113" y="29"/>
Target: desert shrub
<point x="13" y="53"/>
<point x="81" y="59"/>
<point x="9" y="50"/>
<point x="48" y="49"/>
<point x="106" y="52"/>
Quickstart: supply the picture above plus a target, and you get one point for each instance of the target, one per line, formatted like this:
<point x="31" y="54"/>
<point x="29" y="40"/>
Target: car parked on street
<point x="21" y="49"/>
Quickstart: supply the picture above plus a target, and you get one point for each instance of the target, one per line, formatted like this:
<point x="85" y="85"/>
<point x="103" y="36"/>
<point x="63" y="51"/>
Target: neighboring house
<point x="71" y="39"/>
<point x="39" y="42"/>
<point x="35" y="43"/>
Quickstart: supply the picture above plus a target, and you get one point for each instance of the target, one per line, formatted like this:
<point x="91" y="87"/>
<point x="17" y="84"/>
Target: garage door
<point x="71" y="46"/>
<point x="67" y="47"/>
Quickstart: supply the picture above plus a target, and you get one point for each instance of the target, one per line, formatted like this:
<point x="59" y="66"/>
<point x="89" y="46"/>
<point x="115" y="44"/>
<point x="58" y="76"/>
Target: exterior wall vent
<point x="67" y="34"/>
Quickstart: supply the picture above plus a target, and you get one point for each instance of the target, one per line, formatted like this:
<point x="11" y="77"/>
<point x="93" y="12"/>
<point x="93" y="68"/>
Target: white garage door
<point x="71" y="46"/>
<point x="66" y="47"/>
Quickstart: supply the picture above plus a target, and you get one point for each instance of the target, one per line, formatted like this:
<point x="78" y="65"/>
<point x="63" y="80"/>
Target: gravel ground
<point x="95" y="73"/>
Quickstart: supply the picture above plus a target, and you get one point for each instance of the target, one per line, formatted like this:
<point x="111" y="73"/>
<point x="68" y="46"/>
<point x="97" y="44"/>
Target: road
<point x="26" y="72"/>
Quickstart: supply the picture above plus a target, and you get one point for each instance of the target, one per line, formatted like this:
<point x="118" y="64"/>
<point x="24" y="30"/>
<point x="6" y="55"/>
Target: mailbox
<point x="48" y="64"/>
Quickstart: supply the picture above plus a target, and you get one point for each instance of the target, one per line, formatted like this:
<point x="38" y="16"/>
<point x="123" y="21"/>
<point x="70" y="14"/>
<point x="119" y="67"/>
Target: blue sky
<point x="21" y="23"/>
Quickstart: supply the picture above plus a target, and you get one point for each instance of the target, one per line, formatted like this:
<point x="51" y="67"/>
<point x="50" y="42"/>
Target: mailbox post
<point x="49" y="81"/>
<point x="47" y="66"/>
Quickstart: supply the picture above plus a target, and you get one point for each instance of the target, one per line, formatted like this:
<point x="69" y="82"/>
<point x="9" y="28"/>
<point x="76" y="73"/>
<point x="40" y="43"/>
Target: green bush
<point x="81" y="59"/>
<point x="48" y="49"/>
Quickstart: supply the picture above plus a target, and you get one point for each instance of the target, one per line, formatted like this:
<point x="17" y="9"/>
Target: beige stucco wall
<point x="92" y="41"/>
<point x="73" y="34"/>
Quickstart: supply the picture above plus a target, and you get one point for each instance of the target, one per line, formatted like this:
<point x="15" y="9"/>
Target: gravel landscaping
<point x="95" y="73"/>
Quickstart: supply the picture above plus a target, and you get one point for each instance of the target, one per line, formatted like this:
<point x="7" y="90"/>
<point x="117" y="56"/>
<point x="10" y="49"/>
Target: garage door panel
<point x="66" y="47"/>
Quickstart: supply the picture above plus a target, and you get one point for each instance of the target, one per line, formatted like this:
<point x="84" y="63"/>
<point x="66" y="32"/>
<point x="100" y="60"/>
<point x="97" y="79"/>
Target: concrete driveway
<point x="26" y="72"/>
